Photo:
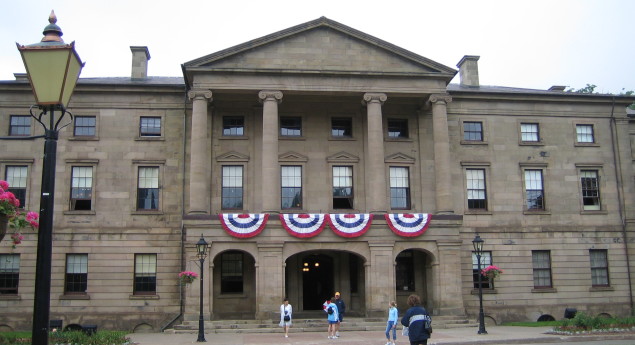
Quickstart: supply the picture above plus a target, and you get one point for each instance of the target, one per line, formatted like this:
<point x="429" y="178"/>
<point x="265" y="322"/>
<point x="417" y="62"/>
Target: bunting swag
<point x="244" y="225"/>
<point x="408" y="224"/>
<point x="303" y="225"/>
<point x="350" y="225"/>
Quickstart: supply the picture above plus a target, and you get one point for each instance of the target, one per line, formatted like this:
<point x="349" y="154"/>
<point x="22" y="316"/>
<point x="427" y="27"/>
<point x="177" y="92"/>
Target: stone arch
<point x="143" y="328"/>
<point x="545" y="317"/>
<point x="233" y="281"/>
<point x="414" y="275"/>
<point x="5" y="328"/>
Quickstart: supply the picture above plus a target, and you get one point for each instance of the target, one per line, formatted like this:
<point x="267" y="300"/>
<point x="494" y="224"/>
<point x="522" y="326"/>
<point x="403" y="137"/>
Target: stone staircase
<point x="309" y="325"/>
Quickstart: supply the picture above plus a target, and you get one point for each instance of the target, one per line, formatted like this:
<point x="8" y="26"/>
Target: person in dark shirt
<point x="415" y="319"/>
<point x="341" y="308"/>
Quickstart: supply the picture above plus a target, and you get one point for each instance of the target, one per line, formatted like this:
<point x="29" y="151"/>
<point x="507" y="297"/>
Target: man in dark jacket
<point x="415" y="319"/>
<point x="341" y="308"/>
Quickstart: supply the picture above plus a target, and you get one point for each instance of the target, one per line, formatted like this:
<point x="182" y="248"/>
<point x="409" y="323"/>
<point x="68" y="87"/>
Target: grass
<point x="71" y="337"/>
<point x="583" y="323"/>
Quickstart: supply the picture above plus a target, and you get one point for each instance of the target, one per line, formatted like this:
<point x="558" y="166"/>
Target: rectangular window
<point x="81" y="188"/>
<point x="472" y="131"/>
<point x="20" y="125"/>
<point x="541" y="260"/>
<point x="476" y="193"/>
<point x="342" y="187"/>
<point x="233" y="126"/>
<point x="404" y="271"/>
<point x="291" y="185"/>
<point x="150" y="127"/>
<point x="231" y="280"/>
<point x="291" y="126"/>
<point x="534" y="190"/>
<point x="145" y="274"/>
<point x="16" y="176"/>
<point x="486" y="260"/>
<point x="585" y="133"/>
<point x="398" y="128"/>
<point x="76" y="274"/>
<point x="148" y="188"/>
<point x="342" y="127"/>
<point x="232" y="193"/>
<point x="599" y="267"/>
<point x="399" y="188"/>
<point x="529" y="132"/>
<point x="590" y="190"/>
<point x="85" y="126"/>
<point x="9" y="274"/>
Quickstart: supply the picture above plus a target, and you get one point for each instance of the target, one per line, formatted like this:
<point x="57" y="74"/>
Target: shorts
<point x="341" y="317"/>
<point x="333" y="322"/>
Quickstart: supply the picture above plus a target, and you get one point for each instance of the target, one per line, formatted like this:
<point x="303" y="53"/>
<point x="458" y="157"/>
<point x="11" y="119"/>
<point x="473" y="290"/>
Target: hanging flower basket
<point x="187" y="277"/>
<point x="491" y="271"/>
<point x="12" y="216"/>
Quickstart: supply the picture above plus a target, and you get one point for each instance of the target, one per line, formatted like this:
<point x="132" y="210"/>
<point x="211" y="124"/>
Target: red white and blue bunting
<point x="303" y="225"/>
<point x="408" y="224"/>
<point x="244" y="225"/>
<point x="350" y="225"/>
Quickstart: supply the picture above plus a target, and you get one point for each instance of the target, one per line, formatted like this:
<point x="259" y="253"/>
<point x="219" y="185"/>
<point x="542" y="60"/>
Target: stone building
<point x="319" y="159"/>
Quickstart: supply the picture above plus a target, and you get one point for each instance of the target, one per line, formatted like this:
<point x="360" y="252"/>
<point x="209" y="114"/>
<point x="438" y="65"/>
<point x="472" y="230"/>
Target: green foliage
<point x="589" y="88"/>
<point x="581" y="321"/>
<point x="70" y="337"/>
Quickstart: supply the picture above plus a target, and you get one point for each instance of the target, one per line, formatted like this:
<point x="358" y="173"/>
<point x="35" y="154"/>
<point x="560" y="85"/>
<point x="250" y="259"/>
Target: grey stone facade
<point x="319" y="72"/>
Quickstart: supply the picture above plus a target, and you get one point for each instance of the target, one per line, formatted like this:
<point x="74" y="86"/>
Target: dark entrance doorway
<point x="317" y="280"/>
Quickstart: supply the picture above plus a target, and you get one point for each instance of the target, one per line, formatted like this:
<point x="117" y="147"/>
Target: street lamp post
<point x="201" y="253"/>
<point x="478" y="249"/>
<point x="53" y="68"/>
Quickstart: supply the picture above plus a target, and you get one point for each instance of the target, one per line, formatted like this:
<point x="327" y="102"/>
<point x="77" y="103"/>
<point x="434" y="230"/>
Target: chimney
<point x="468" y="70"/>
<point x="557" y="88"/>
<point x="140" y="57"/>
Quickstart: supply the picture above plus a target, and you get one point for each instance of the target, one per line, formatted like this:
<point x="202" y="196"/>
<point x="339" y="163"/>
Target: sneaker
<point x="286" y="335"/>
<point x="329" y="337"/>
<point x="337" y="334"/>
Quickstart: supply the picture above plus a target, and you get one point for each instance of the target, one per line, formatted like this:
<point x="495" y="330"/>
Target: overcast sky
<point x="529" y="43"/>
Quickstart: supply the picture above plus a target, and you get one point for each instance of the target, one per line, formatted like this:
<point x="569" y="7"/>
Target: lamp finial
<point x="52" y="32"/>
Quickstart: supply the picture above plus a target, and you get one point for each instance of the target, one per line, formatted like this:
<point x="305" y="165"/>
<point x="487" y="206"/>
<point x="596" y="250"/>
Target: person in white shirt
<point x="286" y="313"/>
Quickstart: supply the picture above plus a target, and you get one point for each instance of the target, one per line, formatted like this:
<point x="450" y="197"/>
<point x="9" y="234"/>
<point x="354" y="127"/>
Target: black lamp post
<point x="478" y="249"/>
<point x="201" y="253"/>
<point x="53" y="68"/>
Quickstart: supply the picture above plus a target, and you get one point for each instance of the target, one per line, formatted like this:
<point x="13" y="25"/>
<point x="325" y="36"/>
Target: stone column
<point x="193" y="291"/>
<point x="270" y="171"/>
<point x="375" y="170"/>
<point x="269" y="280"/>
<point x="442" y="153"/>
<point x="380" y="287"/>
<point x="448" y="299"/>
<point x="199" y="153"/>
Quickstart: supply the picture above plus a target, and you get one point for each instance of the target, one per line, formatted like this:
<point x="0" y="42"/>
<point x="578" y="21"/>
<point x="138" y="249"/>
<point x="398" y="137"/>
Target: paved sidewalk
<point x="450" y="336"/>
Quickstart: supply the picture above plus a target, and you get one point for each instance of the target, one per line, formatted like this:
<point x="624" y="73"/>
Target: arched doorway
<point x="317" y="280"/>
<point x="234" y="285"/>
<point x="412" y="276"/>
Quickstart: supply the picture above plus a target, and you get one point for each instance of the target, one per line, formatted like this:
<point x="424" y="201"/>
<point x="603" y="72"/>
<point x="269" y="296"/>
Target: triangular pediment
<point x="343" y="157"/>
<point x="320" y="46"/>
<point x="232" y="156"/>
<point x="292" y="157"/>
<point x="399" y="158"/>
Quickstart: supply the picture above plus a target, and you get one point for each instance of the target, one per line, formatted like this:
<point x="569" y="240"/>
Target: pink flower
<point x="4" y="185"/>
<point x="32" y="216"/>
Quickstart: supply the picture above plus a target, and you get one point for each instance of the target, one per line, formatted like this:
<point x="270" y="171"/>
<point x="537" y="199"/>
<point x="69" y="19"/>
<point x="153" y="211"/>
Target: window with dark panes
<point x="486" y="260"/>
<point x="541" y="260"/>
<point x="81" y="188"/>
<point x="342" y="187"/>
<point x="398" y="128"/>
<point x="291" y="185"/>
<point x="231" y="272"/>
<point x="599" y="267"/>
<point x="529" y="132"/>
<point x="16" y="176"/>
<point x="76" y="281"/>
<point x="9" y="274"/>
<point x="148" y="188"/>
<point x="291" y="126"/>
<point x="85" y="126"/>
<point x="145" y="274"/>
<point x="590" y="190"/>
<point x="232" y="188"/>
<point x="399" y="188"/>
<point x="472" y="131"/>
<point x="476" y="192"/>
<point x="20" y="125"/>
<point x="233" y="126"/>
<point x="404" y="271"/>
<point x="150" y="127"/>
<point x="342" y="127"/>
<point x="534" y="191"/>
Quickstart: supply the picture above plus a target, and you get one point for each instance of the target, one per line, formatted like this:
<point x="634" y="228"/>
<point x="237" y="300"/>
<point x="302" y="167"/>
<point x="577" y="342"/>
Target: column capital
<point x="199" y="94"/>
<point x="370" y="97"/>
<point x="440" y="97"/>
<point x="270" y="95"/>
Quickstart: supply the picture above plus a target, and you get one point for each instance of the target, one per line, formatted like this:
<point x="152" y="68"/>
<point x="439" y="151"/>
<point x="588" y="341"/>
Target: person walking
<point x="341" y="308"/>
<point x="332" y="318"/>
<point x="391" y="324"/>
<point x="415" y="319"/>
<point x="286" y="314"/>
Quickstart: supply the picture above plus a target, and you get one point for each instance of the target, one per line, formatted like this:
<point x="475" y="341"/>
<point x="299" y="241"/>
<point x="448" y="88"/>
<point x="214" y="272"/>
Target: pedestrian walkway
<point x="449" y="336"/>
